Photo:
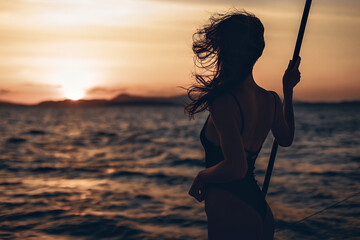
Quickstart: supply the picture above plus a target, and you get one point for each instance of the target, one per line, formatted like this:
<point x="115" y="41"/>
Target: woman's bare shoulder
<point x="273" y="95"/>
<point x="268" y="94"/>
<point x="221" y="103"/>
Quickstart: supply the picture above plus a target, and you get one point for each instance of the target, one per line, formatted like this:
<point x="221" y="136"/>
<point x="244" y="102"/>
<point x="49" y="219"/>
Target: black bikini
<point x="246" y="188"/>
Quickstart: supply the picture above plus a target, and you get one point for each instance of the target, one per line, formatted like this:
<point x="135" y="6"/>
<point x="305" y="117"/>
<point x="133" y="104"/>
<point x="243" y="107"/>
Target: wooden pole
<point x="294" y="59"/>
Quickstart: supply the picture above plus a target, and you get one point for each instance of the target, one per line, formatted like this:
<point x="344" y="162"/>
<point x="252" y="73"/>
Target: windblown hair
<point x="225" y="51"/>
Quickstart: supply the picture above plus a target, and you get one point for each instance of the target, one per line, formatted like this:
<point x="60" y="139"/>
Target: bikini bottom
<point x="247" y="190"/>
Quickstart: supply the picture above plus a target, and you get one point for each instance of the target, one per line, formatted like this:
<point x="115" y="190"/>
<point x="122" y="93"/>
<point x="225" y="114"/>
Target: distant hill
<point x="343" y="103"/>
<point x="121" y="99"/>
<point x="10" y="104"/>
<point x="132" y="99"/>
<point x="71" y="103"/>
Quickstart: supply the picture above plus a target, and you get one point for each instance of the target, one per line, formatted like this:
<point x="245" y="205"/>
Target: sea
<point x="123" y="172"/>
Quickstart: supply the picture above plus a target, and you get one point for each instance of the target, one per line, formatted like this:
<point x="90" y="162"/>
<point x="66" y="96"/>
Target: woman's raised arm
<point x="283" y="127"/>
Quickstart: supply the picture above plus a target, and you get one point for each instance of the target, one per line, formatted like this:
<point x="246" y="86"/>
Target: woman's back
<point x="255" y="115"/>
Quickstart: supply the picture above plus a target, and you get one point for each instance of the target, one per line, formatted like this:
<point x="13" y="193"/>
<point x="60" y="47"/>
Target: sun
<point x="74" y="82"/>
<point x="74" y="94"/>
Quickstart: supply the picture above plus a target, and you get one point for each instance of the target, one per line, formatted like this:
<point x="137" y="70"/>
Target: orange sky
<point x="97" y="49"/>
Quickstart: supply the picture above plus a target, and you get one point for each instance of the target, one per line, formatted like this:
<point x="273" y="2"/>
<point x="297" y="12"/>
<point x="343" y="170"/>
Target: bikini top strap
<point x="207" y="119"/>
<point x="274" y="95"/>
<point x="241" y="113"/>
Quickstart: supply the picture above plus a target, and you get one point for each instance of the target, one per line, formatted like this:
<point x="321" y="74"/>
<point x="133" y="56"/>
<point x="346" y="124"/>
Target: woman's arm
<point x="226" y="121"/>
<point x="283" y="126"/>
<point x="234" y="165"/>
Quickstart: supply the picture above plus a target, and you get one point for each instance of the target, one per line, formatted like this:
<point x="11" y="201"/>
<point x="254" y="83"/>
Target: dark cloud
<point x="166" y="91"/>
<point x="41" y="85"/>
<point x="104" y="90"/>
<point x="4" y="91"/>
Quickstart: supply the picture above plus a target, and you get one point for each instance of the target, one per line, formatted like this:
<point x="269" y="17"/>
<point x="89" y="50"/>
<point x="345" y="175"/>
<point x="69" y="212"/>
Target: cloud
<point x="104" y="90"/>
<point x="4" y="91"/>
<point x="41" y="85"/>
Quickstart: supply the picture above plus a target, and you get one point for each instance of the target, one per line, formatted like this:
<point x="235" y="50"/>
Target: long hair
<point x="226" y="50"/>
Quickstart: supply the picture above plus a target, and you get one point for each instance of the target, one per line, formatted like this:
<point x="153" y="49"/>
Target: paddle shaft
<point x="294" y="59"/>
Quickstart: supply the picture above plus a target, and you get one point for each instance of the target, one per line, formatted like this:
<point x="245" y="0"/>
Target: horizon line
<point x="151" y="97"/>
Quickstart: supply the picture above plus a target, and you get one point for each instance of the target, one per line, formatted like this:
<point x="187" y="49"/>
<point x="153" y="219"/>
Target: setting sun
<point x="73" y="80"/>
<point x="73" y="94"/>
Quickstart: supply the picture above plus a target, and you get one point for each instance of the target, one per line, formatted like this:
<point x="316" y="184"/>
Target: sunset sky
<point x="56" y="49"/>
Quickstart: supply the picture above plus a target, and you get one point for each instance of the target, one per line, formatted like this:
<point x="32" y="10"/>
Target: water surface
<point x="124" y="173"/>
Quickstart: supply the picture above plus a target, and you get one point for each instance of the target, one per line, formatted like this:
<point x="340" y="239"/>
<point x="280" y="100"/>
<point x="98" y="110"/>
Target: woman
<point x="241" y="116"/>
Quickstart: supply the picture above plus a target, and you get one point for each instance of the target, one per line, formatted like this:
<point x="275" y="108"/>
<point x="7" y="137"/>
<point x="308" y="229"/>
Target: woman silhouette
<point x="241" y="116"/>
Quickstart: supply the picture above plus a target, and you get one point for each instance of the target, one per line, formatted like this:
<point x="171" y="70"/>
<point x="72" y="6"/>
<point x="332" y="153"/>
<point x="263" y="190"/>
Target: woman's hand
<point x="197" y="189"/>
<point x="291" y="76"/>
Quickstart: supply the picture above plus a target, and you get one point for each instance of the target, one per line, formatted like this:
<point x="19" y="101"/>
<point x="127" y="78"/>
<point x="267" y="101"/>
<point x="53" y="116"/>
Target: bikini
<point x="246" y="188"/>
